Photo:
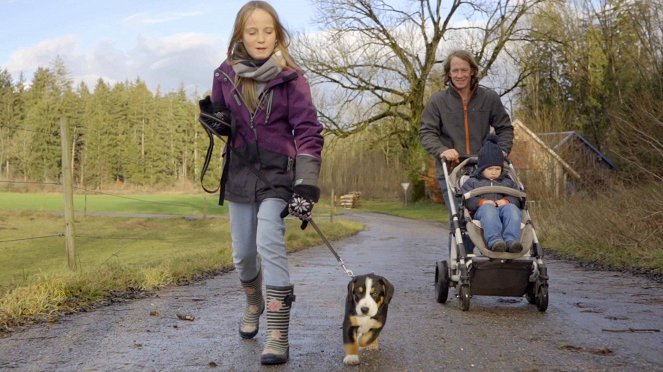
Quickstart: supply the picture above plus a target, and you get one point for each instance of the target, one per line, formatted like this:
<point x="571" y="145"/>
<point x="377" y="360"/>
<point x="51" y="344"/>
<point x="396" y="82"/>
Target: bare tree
<point x="374" y="60"/>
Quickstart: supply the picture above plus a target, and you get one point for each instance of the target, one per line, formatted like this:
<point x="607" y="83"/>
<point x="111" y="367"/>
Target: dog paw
<point x="351" y="360"/>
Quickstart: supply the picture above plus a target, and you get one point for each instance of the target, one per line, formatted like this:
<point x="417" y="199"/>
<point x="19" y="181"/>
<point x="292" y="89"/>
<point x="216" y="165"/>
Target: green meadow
<point x="185" y="204"/>
<point x="115" y="255"/>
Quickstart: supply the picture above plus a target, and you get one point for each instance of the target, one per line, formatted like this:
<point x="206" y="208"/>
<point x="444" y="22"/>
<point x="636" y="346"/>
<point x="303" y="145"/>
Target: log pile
<point x="350" y="200"/>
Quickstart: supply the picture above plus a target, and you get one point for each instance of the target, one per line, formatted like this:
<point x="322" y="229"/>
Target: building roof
<point x="555" y="140"/>
<point x="535" y="137"/>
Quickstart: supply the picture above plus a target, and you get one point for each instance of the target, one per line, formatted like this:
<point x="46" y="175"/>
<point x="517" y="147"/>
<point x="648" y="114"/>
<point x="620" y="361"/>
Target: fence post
<point x="205" y="207"/>
<point x="67" y="186"/>
<point x="331" y="210"/>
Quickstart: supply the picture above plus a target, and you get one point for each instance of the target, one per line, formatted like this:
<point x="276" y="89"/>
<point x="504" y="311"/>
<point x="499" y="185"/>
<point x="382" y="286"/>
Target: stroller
<point x="488" y="273"/>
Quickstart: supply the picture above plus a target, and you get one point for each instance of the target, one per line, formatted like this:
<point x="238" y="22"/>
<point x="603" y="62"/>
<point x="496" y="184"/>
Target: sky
<point x="166" y="43"/>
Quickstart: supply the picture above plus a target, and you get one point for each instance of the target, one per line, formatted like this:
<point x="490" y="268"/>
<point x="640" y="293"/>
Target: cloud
<point x="42" y="54"/>
<point x="186" y="59"/>
<point x="144" y="18"/>
<point x="165" y="63"/>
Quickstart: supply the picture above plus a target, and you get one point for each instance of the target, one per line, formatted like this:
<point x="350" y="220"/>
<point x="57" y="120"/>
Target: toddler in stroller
<point x="510" y="259"/>
<point x="499" y="214"/>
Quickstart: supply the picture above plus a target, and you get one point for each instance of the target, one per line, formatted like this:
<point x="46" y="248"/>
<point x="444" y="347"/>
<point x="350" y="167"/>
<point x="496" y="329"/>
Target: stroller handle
<point x="495" y="189"/>
<point x="461" y="158"/>
<point x="464" y="157"/>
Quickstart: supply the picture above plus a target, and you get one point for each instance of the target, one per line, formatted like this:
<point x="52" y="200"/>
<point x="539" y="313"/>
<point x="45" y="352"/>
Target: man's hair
<point x="467" y="57"/>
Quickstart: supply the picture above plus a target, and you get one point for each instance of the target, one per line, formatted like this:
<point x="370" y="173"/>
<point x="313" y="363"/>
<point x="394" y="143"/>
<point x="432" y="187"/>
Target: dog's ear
<point x="351" y="285"/>
<point x="349" y="299"/>
<point x="389" y="289"/>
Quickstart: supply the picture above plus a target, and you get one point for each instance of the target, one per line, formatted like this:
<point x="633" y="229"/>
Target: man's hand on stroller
<point x="452" y="156"/>
<point x="301" y="203"/>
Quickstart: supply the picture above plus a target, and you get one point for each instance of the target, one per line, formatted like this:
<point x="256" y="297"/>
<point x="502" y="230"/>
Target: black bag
<point x="216" y="120"/>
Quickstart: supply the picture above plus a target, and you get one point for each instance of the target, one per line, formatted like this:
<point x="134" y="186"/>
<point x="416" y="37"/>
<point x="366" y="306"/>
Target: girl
<point x="272" y="163"/>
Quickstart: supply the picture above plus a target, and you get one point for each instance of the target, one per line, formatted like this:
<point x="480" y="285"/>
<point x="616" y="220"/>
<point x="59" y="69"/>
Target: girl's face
<point x="259" y="35"/>
<point x="460" y="72"/>
<point x="492" y="172"/>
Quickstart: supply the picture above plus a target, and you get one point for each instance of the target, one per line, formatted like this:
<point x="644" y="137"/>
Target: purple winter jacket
<point x="282" y="138"/>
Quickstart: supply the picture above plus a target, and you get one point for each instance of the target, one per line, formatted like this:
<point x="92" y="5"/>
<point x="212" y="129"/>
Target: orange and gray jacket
<point x="447" y="124"/>
<point x="281" y="138"/>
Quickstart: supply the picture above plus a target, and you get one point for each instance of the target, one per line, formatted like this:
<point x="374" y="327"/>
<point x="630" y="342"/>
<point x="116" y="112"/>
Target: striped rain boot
<point x="255" y="305"/>
<point x="279" y="301"/>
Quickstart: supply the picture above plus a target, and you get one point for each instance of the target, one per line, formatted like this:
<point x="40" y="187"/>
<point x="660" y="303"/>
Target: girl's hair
<point x="237" y="51"/>
<point x="467" y="57"/>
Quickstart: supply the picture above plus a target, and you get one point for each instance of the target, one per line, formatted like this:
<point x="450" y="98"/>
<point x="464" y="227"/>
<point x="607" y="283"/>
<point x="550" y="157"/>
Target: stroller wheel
<point x="531" y="297"/>
<point x="542" y="298"/>
<point x="464" y="297"/>
<point x="441" y="281"/>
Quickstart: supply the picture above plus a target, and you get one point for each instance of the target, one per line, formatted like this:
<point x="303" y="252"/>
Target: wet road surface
<point x="596" y="320"/>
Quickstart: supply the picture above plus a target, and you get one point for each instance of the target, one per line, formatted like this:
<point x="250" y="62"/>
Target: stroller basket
<point x="495" y="278"/>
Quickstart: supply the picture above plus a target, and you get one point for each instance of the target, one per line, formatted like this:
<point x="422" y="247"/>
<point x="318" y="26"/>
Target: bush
<point x="618" y="228"/>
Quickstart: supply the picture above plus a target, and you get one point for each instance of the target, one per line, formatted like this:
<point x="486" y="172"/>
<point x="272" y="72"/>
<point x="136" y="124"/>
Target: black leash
<point x="260" y="176"/>
<point x="328" y="244"/>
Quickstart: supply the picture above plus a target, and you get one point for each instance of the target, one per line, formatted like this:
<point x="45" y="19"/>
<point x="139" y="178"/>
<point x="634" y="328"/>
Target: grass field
<point x="420" y="210"/>
<point x="166" y="203"/>
<point x="159" y="204"/>
<point x="114" y="255"/>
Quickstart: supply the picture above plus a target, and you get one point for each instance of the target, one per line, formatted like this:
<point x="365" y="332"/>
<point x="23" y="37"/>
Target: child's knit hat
<point x="490" y="154"/>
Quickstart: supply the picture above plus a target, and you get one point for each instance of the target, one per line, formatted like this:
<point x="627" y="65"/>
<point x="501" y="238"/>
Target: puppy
<point x="365" y="314"/>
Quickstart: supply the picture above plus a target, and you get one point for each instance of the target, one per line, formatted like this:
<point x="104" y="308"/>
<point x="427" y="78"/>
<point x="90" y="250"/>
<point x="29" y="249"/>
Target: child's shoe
<point x="498" y="246"/>
<point x="514" y="246"/>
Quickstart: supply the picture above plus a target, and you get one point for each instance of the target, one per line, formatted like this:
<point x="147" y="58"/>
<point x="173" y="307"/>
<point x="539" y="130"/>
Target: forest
<point x="595" y="67"/>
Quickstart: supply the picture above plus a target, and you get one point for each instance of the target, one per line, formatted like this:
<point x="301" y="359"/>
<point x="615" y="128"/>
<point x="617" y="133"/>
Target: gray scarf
<point x="261" y="73"/>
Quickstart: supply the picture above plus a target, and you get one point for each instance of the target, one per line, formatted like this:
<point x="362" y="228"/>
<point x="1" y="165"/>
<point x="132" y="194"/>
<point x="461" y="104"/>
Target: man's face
<point x="461" y="73"/>
<point x="259" y="36"/>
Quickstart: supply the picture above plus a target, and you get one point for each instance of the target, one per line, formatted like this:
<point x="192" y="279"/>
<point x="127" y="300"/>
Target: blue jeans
<point x="501" y="223"/>
<point x="467" y="242"/>
<point x="258" y="229"/>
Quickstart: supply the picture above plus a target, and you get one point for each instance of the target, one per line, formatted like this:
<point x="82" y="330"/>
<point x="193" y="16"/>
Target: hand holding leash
<point x="300" y="207"/>
<point x="301" y="203"/>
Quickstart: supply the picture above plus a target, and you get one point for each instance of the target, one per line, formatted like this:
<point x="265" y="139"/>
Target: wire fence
<point x="32" y="238"/>
<point x="133" y="198"/>
<point x="32" y="182"/>
<point x="107" y="214"/>
<point x="89" y="191"/>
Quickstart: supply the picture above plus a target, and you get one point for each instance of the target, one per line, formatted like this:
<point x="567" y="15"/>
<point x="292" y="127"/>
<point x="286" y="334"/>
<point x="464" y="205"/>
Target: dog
<point x="365" y="314"/>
